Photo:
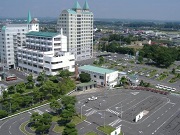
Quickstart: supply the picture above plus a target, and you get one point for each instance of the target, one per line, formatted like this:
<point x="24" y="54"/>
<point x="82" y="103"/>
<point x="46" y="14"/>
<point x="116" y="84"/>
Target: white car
<point x="115" y="56"/>
<point x="92" y="98"/>
<point x="165" y="87"/>
<point x="157" y="86"/>
<point x="173" y="89"/>
<point x="147" y="75"/>
<point x="161" y="86"/>
<point x="169" y="88"/>
<point x="129" y="71"/>
<point x="141" y="73"/>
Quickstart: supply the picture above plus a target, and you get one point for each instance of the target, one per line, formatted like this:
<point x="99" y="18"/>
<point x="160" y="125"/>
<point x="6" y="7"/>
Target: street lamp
<point x="81" y="110"/>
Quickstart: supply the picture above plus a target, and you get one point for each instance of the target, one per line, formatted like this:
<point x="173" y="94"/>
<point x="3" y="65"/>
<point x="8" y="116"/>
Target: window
<point x="94" y="76"/>
<point x="101" y="77"/>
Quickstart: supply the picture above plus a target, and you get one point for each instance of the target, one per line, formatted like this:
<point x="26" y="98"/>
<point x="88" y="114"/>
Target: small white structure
<point x="117" y="131"/>
<point x="139" y="116"/>
<point x="103" y="76"/>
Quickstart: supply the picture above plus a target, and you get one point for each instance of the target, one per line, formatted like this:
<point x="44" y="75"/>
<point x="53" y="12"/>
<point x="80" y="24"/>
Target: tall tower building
<point x="13" y="36"/>
<point x="77" y="24"/>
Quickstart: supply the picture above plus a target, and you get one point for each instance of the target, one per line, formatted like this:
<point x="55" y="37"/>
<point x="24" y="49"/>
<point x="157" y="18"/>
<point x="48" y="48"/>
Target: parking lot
<point x="120" y="107"/>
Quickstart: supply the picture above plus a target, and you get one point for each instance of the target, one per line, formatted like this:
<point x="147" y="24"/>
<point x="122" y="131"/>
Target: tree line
<point x="44" y="88"/>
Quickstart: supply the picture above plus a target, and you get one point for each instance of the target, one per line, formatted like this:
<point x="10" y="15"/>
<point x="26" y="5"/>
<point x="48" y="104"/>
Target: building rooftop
<point x="42" y="34"/>
<point x="86" y="6"/>
<point x="76" y="6"/>
<point x="96" y="69"/>
<point x="71" y="11"/>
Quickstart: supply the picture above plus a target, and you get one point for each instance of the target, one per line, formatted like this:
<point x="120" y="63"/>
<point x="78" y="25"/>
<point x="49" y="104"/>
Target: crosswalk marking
<point x="91" y="112"/>
<point x="40" y="112"/>
<point x="111" y="111"/>
<point x="115" y="122"/>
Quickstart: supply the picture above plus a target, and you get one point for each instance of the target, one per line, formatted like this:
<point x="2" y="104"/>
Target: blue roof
<point x="42" y="34"/>
<point x="76" y="6"/>
<point x="4" y="28"/>
<point x="29" y="17"/>
<point x="71" y="11"/>
<point x="86" y="6"/>
<point x="96" y="69"/>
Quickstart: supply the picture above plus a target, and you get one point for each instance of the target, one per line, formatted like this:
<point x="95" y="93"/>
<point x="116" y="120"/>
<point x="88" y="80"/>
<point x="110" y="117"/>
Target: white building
<point x="45" y="51"/>
<point x="103" y="76"/>
<point x="77" y="24"/>
<point x="13" y="36"/>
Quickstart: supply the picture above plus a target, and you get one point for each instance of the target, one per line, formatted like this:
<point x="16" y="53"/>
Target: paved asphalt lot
<point x="109" y="104"/>
<point x="162" y="112"/>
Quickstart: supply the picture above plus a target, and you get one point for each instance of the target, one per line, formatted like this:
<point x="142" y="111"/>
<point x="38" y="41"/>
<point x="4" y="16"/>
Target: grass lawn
<point x="91" y="133"/>
<point x="55" y="118"/>
<point x="22" y="128"/>
<point x="106" y="129"/>
<point x="58" y="129"/>
<point x="77" y="119"/>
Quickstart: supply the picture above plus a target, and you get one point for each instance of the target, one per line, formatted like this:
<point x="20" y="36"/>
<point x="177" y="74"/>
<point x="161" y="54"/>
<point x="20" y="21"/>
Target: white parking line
<point x="14" y="122"/>
<point x="153" y="121"/>
<point x="22" y="118"/>
<point x="149" y="125"/>
<point x="158" y="118"/>
<point x="89" y="123"/>
<point x="165" y="121"/>
<point x="9" y="132"/>
<point x="9" y="127"/>
<point x="88" y="109"/>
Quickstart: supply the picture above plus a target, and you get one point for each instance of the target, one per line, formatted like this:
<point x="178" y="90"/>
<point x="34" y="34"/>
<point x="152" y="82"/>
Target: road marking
<point x="158" y="118"/>
<point x="3" y="124"/>
<point x="149" y="125"/>
<point x="88" y="109"/>
<point x="166" y="121"/>
<point x="115" y="122"/>
<point x="166" y="111"/>
<point x="112" y="111"/>
<point x="22" y="118"/>
<point x="40" y="112"/>
<point x="9" y="127"/>
<point x="9" y="132"/>
<point x="14" y="122"/>
<point x="81" y="128"/>
<point x="153" y="121"/>
<point x="169" y="107"/>
<point x="89" y="123"/>
<point x="162" y="114"/>
<point x="91" y="112"/>
<point x="47" y="111"/>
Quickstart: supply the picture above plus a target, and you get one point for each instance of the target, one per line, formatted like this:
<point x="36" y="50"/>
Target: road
<point x="11" y="125"/>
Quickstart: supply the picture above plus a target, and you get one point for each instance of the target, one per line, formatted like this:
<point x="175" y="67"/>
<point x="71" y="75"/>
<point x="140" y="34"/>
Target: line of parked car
<point x="165" y="87"/>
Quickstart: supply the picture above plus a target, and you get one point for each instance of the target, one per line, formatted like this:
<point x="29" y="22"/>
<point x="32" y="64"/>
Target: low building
<point x="85" y="86"/>
<point x="45" y="51"/>
<point x="134" y="79"/>
<point x="102" y="76"/>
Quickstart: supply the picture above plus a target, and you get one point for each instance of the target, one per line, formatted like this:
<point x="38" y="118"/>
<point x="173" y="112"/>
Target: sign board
<point x="139" y="116"/>
<point x="117" y="131"/>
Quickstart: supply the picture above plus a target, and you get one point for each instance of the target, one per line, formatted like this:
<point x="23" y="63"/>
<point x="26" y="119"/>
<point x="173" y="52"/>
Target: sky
<point x="120" y="9"/>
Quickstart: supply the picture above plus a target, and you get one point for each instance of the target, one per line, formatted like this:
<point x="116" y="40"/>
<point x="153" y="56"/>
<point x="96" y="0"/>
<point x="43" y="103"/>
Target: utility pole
<point x="121" y="111"/>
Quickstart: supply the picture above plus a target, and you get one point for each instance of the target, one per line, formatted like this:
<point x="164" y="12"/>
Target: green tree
<point x="3" y="114"/>
<point x="30" y="78"/>
<point x="140" y="59"/>
<point x="64" y="73"/>
<point x="55" y="105"/>
<point x="84" y="77"/>
<point x="11" y="89"/>
<point x="101" y="60"/>
<point x="70" y="129"/>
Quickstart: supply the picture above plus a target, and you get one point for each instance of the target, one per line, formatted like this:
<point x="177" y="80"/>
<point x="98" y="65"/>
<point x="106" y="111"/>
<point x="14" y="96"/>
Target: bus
<point x="11" y="78"/>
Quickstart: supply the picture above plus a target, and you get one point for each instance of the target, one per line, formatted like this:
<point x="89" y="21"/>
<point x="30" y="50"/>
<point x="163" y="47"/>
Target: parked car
<point x="161" y="86"/>
<point x="173" y="89"/>
<point x="165" y="87"/>
<point x="92" y="98"/>
<point x="169" y="88"/>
